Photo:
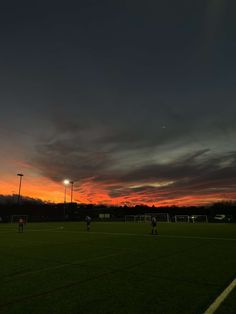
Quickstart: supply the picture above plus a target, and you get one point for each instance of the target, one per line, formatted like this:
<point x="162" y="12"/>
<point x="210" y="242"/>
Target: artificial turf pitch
<point x="116" y="268"/>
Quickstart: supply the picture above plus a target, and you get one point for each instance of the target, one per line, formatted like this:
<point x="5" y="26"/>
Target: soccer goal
<point x="182" y="218"/>
<point x="15" y="218"/>
<point x="198" y="218"/>
<point x="135" y="218"/>
<point x="160" y="217"/>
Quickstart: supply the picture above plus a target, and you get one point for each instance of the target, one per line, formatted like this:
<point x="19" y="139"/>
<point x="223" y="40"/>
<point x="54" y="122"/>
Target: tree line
<point x="37" y="210"/>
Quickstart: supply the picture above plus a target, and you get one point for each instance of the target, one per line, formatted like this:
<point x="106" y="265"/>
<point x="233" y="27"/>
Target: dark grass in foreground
<point x="115" y="268"/>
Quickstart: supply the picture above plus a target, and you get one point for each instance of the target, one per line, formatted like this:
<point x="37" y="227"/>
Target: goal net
<point x="198" y="218"/>
<point x="15" y="218"/>
<point x="135" y="218"/>
<point x="182" y="218"/>
<point x="160" y="217"/>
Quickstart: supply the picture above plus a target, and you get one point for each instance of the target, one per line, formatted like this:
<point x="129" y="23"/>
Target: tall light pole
<point x="66" y="182"/>
<point x="20" y="175"/>
<point x="71" y="191"/>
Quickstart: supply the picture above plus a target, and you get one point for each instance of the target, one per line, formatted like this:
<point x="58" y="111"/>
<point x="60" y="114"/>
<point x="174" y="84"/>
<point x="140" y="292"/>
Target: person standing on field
<point x="88" y="220"/>
<point x="154" y="225"/>
<point x="21" y="225"/>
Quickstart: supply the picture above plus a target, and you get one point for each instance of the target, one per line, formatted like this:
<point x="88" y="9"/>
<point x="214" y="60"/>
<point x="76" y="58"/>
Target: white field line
<point x="15" y="230"/>
<point x="218" y="301"/>
<point x="126" y="234"/>
<point x="140" y="235"/>
<point x="198" y="238"/>
<point x="74" y="263"/>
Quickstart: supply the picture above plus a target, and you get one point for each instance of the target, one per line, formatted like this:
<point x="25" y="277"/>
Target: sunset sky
<point x="135" y="101"/>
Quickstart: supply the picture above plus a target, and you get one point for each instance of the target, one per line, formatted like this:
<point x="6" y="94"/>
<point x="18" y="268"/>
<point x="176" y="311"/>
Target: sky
<point x="135" y="101"/>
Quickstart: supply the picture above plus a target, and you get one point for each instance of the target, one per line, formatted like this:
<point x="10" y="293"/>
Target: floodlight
<point x="66" y="181"/>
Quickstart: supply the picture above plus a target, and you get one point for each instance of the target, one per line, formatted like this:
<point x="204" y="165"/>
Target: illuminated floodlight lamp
<point x="66" y="181"/>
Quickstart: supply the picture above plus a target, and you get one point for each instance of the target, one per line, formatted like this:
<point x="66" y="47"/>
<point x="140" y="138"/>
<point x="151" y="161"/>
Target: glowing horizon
<point x="88" y="192"/>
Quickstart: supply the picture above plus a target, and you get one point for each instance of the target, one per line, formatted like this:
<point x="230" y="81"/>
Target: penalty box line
<point x="220" y="299"/>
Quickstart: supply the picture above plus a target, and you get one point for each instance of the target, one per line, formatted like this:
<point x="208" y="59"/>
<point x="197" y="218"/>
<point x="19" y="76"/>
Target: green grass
<point x="116" y="268"/>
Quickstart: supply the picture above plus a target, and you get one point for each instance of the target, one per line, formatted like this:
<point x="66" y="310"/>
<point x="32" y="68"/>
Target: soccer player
<point x="154" y="225"/>
<point x="88" y="220"/>
<point x="21" y="225"/>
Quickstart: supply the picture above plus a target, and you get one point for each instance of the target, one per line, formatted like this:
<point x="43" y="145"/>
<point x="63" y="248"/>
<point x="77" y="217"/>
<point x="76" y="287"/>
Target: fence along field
<point x="115" y="268"/>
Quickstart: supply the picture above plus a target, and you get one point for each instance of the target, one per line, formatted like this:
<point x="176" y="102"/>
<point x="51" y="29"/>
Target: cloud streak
<point x="108" y="171"/>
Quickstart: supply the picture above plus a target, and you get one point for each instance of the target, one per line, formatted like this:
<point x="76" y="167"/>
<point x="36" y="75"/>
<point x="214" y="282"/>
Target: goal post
<point x="135" y="218"/>
<point x="15" y="218"/>
<point x="160" y="217"/>
<point x="191" y="218"/>
<point x="198" y="218"/>
<point x="129" y="218"/>
<point x="146" y="218"/>
<point x="182" y="218"/>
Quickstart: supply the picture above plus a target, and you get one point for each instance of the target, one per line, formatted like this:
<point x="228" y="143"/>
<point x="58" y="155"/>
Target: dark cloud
<point x="192" y="175"/>
<point x="122" y="94"/>
<point x="83" y="154"/>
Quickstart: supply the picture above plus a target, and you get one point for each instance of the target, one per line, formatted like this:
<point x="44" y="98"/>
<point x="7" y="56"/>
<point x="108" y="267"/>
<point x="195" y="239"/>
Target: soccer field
<point x="116" y="268"/>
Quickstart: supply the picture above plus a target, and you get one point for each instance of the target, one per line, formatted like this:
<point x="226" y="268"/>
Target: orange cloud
<point x="90" y="191"/>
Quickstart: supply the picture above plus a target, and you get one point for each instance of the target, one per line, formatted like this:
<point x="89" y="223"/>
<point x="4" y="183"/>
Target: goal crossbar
<point x="161" y="217"/>
<point x="15" y="218"/>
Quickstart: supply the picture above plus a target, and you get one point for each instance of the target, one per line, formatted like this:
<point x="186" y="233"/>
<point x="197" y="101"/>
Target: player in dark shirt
<point x="21" y="225"/>
<point x="154" y="225"/>
<point x="88" y="220"/>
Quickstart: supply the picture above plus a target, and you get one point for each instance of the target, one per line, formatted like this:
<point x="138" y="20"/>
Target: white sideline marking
<point x="125" y="234"/>
<point x="140" y="235"/>
<point x="198" y="238"/>
<point x="15" y="230"/>
<point x="215" y="305"/>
